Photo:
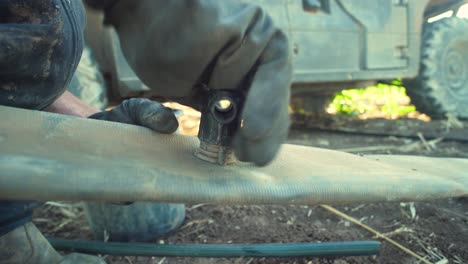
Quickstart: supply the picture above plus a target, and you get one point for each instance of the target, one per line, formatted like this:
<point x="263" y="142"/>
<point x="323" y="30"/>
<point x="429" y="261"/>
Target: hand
<point x="142" y="112"/>
<point x="176" y="46"/>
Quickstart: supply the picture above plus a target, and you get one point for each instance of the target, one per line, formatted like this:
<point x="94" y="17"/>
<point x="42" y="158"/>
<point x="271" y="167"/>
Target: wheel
<point x="442" y="84"/>
<point x="88" y="83"/>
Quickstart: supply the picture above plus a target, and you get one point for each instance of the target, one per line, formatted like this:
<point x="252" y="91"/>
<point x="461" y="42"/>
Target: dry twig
<point x="196" y="222"/>
<point x="128" y="260"/>
<point x="397" y="231"/>
<point x="196" y="206"/>
<point x="452" y="122"/>
<point x="62" y="224"/>
<point x="375" y="232"/>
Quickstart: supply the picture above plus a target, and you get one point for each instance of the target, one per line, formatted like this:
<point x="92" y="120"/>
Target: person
<point x="175" y="47"/>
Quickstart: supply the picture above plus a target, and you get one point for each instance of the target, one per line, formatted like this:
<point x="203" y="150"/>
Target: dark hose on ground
<point x="327" y="249"/>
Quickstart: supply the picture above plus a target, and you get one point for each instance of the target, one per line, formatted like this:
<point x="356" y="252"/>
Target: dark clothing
<point x="15" y="213"/>
<point x="176" y="47"/>
<point x="40" y="46"/>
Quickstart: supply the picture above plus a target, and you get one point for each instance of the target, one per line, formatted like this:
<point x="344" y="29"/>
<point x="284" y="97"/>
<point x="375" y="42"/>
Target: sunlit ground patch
<point x="380" y="101"/>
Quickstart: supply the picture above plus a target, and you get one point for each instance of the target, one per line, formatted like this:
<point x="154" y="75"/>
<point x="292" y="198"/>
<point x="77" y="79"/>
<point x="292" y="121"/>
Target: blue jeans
<point x="34" y="68"/>
<point x="15" y="213"/>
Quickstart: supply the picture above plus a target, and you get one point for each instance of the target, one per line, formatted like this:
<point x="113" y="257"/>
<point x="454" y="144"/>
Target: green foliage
<point x="382" y="100"/>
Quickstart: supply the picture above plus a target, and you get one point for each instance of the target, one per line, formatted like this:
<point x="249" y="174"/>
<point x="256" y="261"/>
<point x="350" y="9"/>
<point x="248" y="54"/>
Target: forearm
<point x="68" y="104"/>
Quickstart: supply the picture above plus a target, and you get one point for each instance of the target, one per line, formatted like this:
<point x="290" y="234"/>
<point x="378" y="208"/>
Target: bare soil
<point x="435" y="230"/>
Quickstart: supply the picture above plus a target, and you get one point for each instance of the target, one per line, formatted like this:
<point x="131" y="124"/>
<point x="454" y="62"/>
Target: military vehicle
<point x="338" y="44"/>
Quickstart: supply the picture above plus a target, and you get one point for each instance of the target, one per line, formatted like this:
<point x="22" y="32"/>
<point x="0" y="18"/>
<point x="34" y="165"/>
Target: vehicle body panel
<point x="334" y="43"/>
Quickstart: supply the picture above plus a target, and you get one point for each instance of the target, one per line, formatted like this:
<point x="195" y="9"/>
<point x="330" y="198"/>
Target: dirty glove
<point x="178" y="46"/>
<point x="142" y="112"/>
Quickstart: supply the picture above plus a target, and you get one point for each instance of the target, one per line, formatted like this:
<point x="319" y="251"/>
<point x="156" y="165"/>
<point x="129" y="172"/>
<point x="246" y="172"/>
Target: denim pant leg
<point x="15" y="213"/>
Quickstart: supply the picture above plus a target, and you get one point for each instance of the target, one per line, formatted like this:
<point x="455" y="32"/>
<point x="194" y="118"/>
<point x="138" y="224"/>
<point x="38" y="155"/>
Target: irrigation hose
<point x="326" y="249"/>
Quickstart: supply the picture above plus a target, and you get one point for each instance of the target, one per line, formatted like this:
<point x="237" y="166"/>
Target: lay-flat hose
<point x="46" y="156"/>
<point x="326" y="249"/>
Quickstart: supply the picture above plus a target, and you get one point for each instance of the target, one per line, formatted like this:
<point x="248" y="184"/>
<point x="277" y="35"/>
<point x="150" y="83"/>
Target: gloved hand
<point x="142" y="112"/>
<point x="129" y="222"/>
<point x="177" y="46"/>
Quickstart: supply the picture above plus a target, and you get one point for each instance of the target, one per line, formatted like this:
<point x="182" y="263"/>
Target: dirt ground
<point x="437" y="230"/>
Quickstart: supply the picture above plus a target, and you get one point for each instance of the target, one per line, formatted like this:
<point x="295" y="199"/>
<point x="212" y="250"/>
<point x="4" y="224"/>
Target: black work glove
<point x="178" y="45"/>
<point x="142" y="112"/>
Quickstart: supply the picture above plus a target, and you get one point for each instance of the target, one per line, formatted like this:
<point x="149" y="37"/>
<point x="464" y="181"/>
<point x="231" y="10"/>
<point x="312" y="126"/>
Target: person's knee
<point x="139" y="221"/>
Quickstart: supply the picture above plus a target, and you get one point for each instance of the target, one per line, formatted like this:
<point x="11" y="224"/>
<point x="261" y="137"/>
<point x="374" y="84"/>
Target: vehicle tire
<point x="88" y="83"/>
<point x="442" y="84"/>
